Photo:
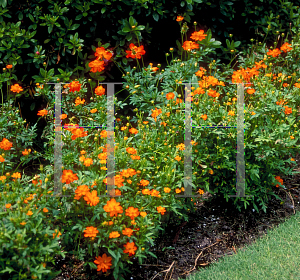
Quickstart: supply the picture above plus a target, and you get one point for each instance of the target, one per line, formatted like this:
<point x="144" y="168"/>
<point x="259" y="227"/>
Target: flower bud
<point x="37" y="53"/>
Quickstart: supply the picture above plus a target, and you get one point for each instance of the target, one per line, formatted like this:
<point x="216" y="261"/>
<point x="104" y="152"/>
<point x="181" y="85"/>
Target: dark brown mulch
<point x="216" y="229"/>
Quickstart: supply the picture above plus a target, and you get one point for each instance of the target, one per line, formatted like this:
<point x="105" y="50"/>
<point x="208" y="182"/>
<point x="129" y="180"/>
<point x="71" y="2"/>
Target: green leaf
<point x="43" y="72"/>
<point x="103" y="10"/>
<point x="31" y="17"/>
<point x="78" y="17"/>
<point x="60" y="40"/>
<point x="51" y="72"/>
<point x="189" y="1"/>
<point x="236" y="44"/>
<point x="112" y="253"/>
<point x="126" y="29"/>
<point x="131" y="21"/>
<point x="50" y="28"/>
<point x="140" y="27"/>
<point x="20" y="16"/>
<point x="128" y="37"/>
<point x="155" y="16"/>
<point x="182" y="3"/>
<point x="32" y="106"/>
<point x="74" y="26"/>
<point x="3" y="3"/>
<point x="150" y="253"/>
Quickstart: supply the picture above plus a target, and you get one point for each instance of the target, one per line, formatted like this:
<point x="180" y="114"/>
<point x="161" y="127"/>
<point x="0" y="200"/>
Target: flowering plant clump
<point x="110" y="228"/>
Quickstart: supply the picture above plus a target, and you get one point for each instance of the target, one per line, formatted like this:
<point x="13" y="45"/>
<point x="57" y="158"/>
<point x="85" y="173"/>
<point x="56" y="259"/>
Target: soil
<point x="214" y="230"/>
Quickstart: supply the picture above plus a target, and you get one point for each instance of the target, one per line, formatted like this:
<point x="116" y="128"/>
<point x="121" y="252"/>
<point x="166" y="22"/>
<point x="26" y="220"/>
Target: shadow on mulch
<point x="215" y="229"/>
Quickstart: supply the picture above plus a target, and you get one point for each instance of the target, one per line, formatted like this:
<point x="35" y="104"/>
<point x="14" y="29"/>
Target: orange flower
<point x="201" y="192"/>
<point x="88" y="162"/>
<point x="29" y="213"/>
<point x="170" y="95"/>
<point x="127" y="231"/>
<point x="288" y="110"/>
<point x="130" y="248"/>
<point x="145" y="191"/>
<point x="93" y="111"/>
<point x="135" y="52"/>
<point x="231" y="113"/>
<point x="45" y="210"/>
<point x="279" y="180"/>
<point x="286" y="47"/>
<point x="103" y="134"/>
<point x="91" y="232"/>
<point x="2" y="178"/>
<point x="91" y="198"/>
<point x="102" y="156"/>
<point x="113" y="207"/>
<point x="16" y="175"/>
<point x="133" y="130"/>
<point x="144" y="183"/>
<point x="8" y="205"/>
<point x="154" y="193"/>
<point x="204" y="117"/>
<point x="161" y="210"/>
<point x="155" y="113"/>
<point x="178" y="158"/>
<point x="100" y="90"/>
<point x="103" y="263"/>
<point x="81" y="191"/>
<point x="78" y="133"/>
<point x="198" y="36"/>
<point x="16" y="88"/>
<point x="2" y="159"/>
<point x="78" y="101"/>
<point x="250" y="90"/>
<point x="274" y="53"/>
<point x="180" y="147"/>
<point x="9" y="66"/>
<point x="167" y="190"/>
<point x="143" y="214"/>
<point x="190" y="45"/>
<point x="97" y="65"/>
<point x="42" y="113"/>
<point x="131" y="151"/>
<point x="74" y="86"/>
<point x="25" y="152"/>
<point x="68" y="177"/>
<point x="132" y="212"/>
<point x="297" y="85"/>
<point x="63" y="116"/>
<point x="54" y="234"/>
<point x="213" y="93"/>
<point x="114" y="234"/>
<point x="179" y="18"/>
<point x="102" y="53"/>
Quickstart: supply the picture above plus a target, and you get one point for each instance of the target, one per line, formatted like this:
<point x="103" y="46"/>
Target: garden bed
<point x="215" y="230"/>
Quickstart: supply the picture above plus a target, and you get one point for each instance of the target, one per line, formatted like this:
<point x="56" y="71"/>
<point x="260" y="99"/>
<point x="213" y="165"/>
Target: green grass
<point x="273" y="256"/>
